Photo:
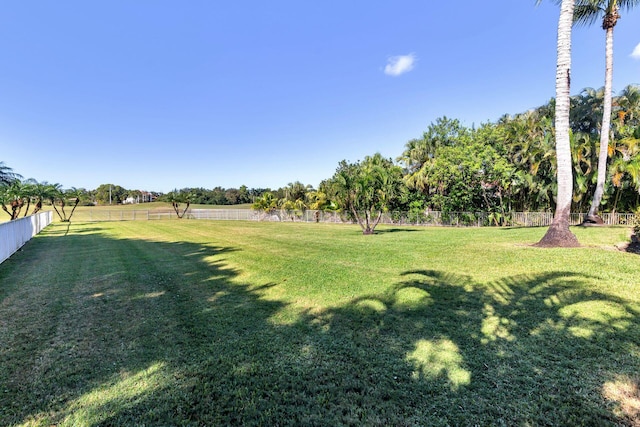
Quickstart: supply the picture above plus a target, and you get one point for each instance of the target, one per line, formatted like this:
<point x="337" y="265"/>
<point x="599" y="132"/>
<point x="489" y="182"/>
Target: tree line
<point x="22" y="197"/>
<point x="499" y="167"/>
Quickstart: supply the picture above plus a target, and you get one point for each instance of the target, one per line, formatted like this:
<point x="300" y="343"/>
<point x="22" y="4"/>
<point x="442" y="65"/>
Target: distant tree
<point x="366" y="189"/>
<point x="266" y="203"/>
<point x="243" y="194"/>
<point x="60" y="199"/>
<point x="318" y="200"/>
<point x="217" y="196"/>
<point x="232" y="196"/>
<point x="110" y="194"/>
<point x="254" y="193"/>
<point x="294" y="202"/>
<point x="177" y="198"/>
<point x="420" y="153"/>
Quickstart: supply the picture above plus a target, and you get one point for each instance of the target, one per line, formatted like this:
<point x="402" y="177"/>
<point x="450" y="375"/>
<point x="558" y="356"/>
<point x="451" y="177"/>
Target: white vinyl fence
<point x="14" y="234"/>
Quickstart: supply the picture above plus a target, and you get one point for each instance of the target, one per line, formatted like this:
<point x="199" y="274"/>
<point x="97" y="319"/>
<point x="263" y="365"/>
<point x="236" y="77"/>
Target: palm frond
<point x="587" y="13"/>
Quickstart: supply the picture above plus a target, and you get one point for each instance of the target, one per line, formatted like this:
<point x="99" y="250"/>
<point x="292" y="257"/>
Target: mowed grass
<point x="242" y="323"/>
<point x="117" y="212"/>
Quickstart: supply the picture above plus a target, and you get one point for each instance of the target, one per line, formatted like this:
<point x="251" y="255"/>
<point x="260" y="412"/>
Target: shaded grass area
<point x="219" y="323"/>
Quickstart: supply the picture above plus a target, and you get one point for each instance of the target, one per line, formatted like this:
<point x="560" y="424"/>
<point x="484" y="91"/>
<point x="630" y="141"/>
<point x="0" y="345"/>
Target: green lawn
<point x="241" y="323"/>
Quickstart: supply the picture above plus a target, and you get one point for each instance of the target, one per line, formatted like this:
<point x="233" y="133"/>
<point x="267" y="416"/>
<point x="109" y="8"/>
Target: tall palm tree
<point x="588" y="12"/>
<point x="558" y="234"/>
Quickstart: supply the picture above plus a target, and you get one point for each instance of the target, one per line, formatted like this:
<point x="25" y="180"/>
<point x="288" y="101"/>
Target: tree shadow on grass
<point x="167" y="334"/>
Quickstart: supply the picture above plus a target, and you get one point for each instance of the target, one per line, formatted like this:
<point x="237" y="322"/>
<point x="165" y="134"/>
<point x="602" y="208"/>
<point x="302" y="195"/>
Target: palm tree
<point x="28" y="189"/>
<point x="5" y="199"/>
<point x="266" y="203"/>
<point x="586" y="111"/>
<point x="588" y="12"/>
<point x="582" y="153"/>
<point x="176" y="198"/>
<point x="73" y="194"/>
<point x="558" y="233"/>
<point x="41" y="191"/>
<point x="419" y="154"/>
<point x="16" y="193"/>
<point x="6" y="174"/>
<point x="53" y="192"/>
<point x="629" y="106"/>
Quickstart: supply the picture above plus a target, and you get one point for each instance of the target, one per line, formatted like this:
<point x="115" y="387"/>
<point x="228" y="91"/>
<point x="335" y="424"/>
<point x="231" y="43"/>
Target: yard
<point x="247" y="323"/>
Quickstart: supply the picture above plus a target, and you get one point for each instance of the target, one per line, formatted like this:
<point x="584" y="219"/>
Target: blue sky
<point x="156" y="95"/>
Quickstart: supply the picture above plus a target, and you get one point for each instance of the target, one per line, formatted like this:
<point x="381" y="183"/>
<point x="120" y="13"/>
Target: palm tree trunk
<point x="592" y="216"/>
<point x="357" y="217"/>
<point x="4" y="208"/>
<point x="62" y="205"/>
<point x="74" y="208"/>
<point x="377" y="221"/>
<point x="558" y="234"/>
<point x="27" y="210"/>
<point x="38" y="206"/>
<point x="367" y="216"/>
<point x="616" y="200"/>
<point x="53" y="203"/>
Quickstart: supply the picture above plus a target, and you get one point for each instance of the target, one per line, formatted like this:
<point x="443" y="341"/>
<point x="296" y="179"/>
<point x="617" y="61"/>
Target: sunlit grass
<point x="244" y="323"/>
<point x="88" y="213"/>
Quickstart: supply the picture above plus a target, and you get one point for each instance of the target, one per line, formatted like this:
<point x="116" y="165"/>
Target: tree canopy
<point x="365" y="189"/>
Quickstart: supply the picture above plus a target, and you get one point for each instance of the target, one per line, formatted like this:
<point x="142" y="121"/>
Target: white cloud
<point x="636" y="52"/>
<point x="401" y="64"/>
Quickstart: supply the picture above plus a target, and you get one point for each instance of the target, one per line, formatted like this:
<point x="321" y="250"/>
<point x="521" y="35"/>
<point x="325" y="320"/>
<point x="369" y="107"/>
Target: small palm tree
<point x="266" y="203"/>
<point x="15" y="195"/>
<point x="178" y="197"/>
<point x="72" y="195"/>
<point x="40" y="193"/>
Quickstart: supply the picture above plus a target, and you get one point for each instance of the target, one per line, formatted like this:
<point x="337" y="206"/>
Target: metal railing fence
<point x="427" y="218"/>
